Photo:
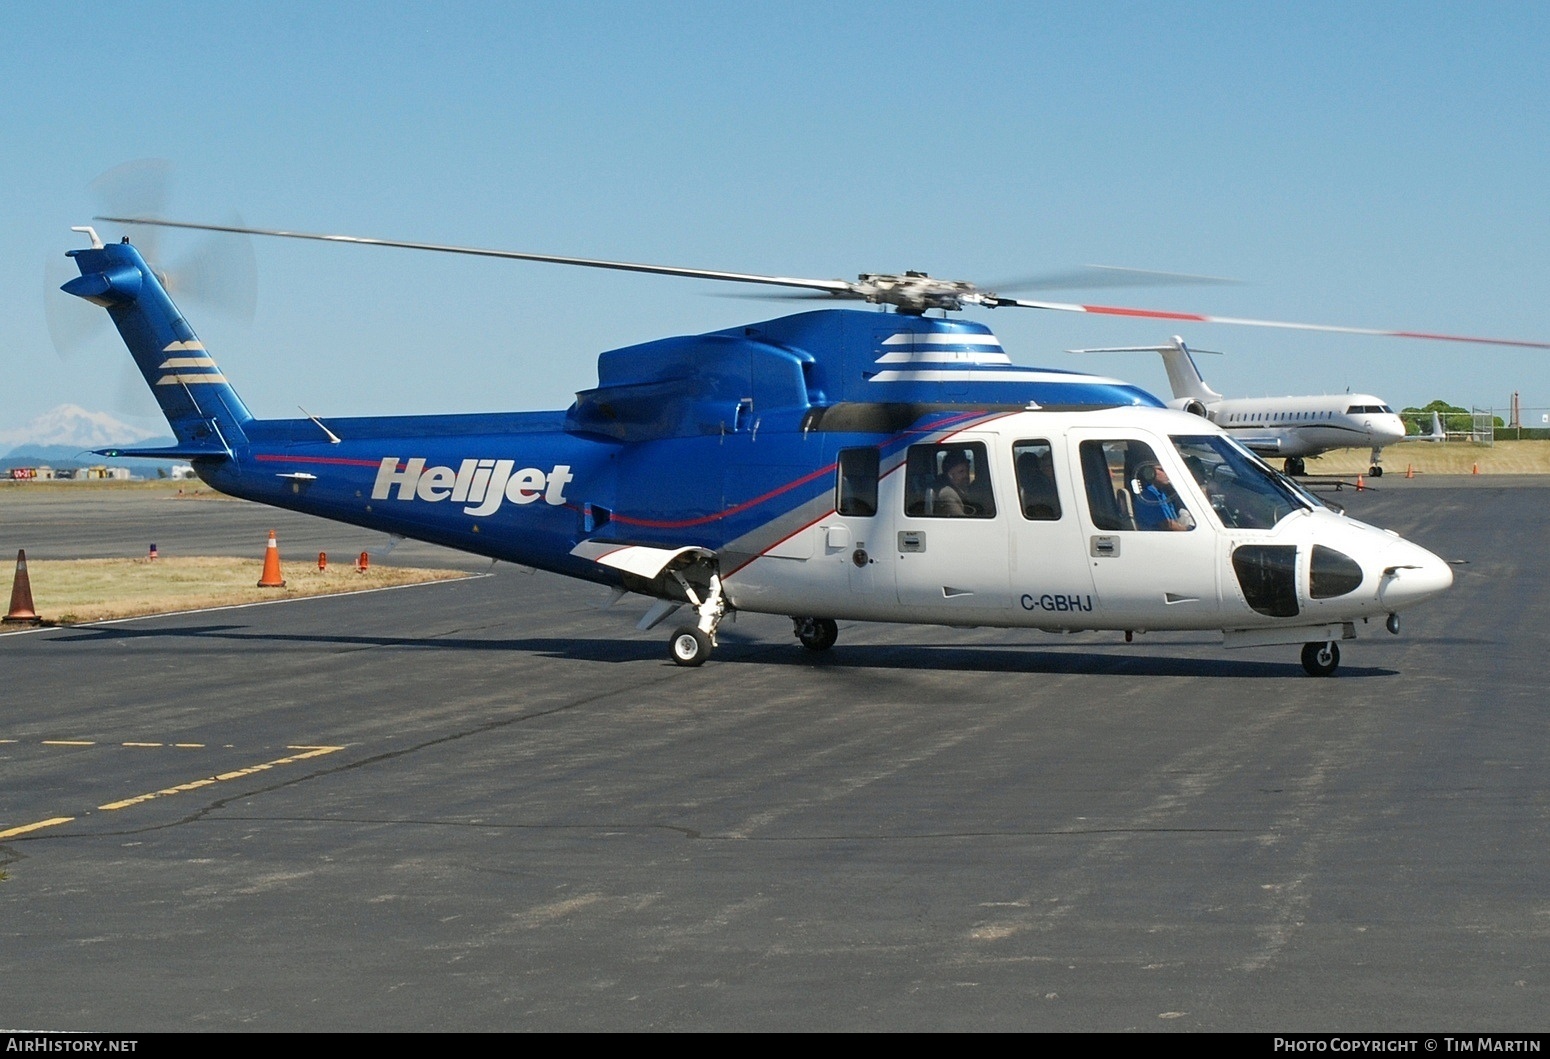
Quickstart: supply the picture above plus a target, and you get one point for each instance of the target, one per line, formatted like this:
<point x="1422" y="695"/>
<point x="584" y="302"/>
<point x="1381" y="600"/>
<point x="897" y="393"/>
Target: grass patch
<point x="72" y="591"/>
<point x="1453" y="457"/>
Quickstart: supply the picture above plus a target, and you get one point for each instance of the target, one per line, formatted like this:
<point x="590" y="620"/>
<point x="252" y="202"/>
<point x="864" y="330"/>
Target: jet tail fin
<point x="205" y="413"/>
<point x="1183" y="377"/>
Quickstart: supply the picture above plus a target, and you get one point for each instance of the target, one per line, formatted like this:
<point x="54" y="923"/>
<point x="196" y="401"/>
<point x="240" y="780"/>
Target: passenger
<point x="952" y="489"/>
<point x="1157" y="506"/>
<point x="1036" y="482"/>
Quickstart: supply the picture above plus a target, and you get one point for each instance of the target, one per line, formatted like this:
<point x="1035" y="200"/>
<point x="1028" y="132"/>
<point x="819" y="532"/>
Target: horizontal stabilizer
<point x="175" y="452"/>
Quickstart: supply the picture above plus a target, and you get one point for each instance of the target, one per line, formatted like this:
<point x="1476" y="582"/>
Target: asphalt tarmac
<point x="490" y="805"/>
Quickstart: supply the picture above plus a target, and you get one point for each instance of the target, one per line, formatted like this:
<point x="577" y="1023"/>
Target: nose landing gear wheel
<point x="1320" y="659"/>
<point x="689" y="646"/>
<point x="817" y="634"/>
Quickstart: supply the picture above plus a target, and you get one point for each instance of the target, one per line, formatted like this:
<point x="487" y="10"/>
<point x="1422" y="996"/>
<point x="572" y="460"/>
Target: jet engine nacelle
<point x="1190" y="405"/>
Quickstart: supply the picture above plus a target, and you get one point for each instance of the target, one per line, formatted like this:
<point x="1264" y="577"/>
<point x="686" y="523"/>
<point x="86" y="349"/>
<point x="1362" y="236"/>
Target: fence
<point x="1485" y="425"/>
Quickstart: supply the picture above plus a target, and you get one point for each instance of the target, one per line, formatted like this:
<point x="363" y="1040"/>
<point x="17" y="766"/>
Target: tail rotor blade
<point x="221" y="272"/>
<point x="141" y="188"/>
<point x="72" y="323"/>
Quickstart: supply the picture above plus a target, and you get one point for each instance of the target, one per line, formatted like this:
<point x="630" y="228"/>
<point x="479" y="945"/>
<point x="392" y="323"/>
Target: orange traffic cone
<point x="1360" y="483"/>
<point x="322" y="561"/>
<point x="1409" y="470"/>
<point x="21" y="595"/>
<point x="363" y="563"/>
<point x="1476" y="470"/>
<point x="272" y="578"/>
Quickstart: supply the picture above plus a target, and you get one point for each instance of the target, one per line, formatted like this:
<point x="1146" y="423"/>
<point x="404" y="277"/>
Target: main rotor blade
<point x="790" y="296"/>
<point x="1199" y="318"/>
<point x="832" y="286"/>
<point x="1092" y="277"/>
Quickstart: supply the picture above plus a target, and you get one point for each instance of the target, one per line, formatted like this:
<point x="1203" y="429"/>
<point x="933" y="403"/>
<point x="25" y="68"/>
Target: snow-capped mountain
<point x="73" y="425"/>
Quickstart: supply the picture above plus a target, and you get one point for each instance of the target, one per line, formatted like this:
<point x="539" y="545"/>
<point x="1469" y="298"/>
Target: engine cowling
<point x="1190" y="405"/>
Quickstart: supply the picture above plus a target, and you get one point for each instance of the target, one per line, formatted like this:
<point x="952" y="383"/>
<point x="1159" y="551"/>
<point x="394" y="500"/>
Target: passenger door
<point x="1051" y="584"/>
<point x="950" y="538"/>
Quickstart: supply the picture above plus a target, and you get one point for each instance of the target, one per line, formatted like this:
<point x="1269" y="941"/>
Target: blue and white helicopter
<point x="831" y="465"/>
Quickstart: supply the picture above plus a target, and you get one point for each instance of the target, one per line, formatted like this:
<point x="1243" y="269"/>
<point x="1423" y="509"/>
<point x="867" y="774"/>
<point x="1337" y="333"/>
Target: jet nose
<point x="1411" y="575"/>
<point x="1389" y="428"/>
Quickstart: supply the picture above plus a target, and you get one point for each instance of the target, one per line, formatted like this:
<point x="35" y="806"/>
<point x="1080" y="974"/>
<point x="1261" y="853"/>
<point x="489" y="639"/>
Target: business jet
<point x="1287" y="428"/>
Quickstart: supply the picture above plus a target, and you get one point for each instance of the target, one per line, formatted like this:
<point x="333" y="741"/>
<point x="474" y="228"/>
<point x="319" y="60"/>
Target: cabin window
<point x="1036" y="491"/>
<point x="948" y="481"/>
<point x="855" y="491"/>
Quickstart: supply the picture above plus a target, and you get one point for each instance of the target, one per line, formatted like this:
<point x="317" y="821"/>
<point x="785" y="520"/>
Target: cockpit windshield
<point x="1244" y="493"/>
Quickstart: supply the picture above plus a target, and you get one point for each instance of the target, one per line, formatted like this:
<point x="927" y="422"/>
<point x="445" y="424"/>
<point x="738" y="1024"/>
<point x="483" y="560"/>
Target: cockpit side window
<point x="1127" y="489"/>
<point x="1036" y="490"/>
<point x="948" y="481"/>
<point x="1243" y="492"/>
<point x="856" y="485"/>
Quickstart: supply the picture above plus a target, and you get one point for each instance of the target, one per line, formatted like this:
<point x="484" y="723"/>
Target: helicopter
<point x="828" y="466"/>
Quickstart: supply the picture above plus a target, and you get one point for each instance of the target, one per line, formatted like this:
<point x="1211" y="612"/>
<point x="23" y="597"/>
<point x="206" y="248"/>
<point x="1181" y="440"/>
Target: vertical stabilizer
<point x="1183" y="377"/>
<point x="205" y="413"/>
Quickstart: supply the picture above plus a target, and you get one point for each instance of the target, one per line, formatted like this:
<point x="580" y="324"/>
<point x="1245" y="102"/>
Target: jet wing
<point x="1263" y="444"/>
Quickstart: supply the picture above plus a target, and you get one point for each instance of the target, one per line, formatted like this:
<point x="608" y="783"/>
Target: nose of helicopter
<point x="1411" y="575"/>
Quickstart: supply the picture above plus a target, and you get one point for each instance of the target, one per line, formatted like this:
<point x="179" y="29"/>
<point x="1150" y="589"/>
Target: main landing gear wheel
<point x="1320" y="659"/>
<point x="1295" y="467"/>
<point x="689" y="646"/>
<point x="816" y="634"/>
<point x="1375" y="471"/>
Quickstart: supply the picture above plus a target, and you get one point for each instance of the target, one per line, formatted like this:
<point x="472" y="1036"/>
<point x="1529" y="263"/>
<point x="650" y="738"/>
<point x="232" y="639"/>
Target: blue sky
<point x="1369" y="164"/>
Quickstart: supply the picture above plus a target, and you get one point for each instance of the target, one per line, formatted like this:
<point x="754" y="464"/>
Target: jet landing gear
<point x="1376" y="470"/>
<point x="1320" y="659"/>
<point x="1295" y="467"/>
<point x="816" y="634"/>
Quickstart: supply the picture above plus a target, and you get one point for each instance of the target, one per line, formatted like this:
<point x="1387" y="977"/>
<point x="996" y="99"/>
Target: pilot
<point x="1157" y="506"/>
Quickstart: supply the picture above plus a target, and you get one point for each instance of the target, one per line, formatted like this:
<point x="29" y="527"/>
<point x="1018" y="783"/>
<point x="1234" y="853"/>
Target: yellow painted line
<point x="309" y="752"/>
<point x="13" y="832"/>
<point x="190" y="746"/>
<point x="67" y="742"/>
<point x="144" y="744"/>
